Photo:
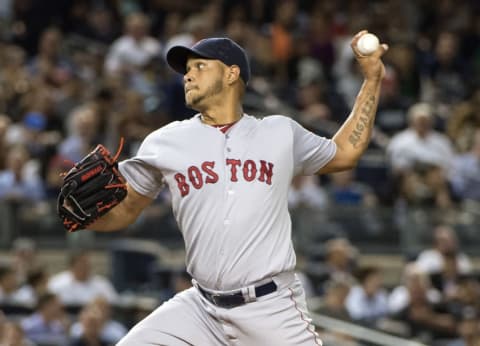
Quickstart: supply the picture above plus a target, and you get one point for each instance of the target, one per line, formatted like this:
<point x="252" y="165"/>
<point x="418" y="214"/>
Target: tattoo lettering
<point x="365" y="121"/>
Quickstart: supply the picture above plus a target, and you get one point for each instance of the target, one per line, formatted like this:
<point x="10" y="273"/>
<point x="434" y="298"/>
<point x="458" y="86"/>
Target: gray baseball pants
<point x="279" y="318"/>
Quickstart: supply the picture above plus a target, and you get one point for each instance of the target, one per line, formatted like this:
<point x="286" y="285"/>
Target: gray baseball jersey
<point x="229" y="192"/>
<point x="229" y="197"/>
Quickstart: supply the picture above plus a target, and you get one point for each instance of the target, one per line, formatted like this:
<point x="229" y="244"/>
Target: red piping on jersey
<point x="224" y="128"/>
<point x="303" y="319"/>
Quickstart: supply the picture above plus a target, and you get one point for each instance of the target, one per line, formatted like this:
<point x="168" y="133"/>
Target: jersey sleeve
<point x="310" y="151"/>
<point x="142" y="171"/>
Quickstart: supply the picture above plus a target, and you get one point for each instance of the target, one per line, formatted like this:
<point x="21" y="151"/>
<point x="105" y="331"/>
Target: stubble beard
<point x="196" y="102"/>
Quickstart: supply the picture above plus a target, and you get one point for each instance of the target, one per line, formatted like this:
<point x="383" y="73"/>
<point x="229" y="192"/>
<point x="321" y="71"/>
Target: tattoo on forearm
<point x="365" y="121"/>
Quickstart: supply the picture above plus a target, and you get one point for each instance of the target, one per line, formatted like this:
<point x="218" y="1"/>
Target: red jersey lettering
<point x="249" y="170"/>
<point x="233" y="169"/>
<point x="183" y="187"/>
<point x="207" y="167"/>
<point x="195" y="177"/>
<point x="266" y="172"/>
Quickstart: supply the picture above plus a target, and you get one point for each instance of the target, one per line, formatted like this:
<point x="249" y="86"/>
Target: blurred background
<point x="388" y="252"/>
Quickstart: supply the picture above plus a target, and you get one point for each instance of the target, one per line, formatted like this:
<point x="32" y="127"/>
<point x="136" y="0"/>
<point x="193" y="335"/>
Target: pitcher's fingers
<point x="382" y="49"/>
<point x="355" y="38"/>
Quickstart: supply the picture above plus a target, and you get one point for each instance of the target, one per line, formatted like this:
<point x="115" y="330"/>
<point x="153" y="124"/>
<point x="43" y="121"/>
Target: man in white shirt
<point x="445" y="243"/>
<point x="134" y="49"/>
<point x="78" y="286"/>
<point x="419" y="143"/>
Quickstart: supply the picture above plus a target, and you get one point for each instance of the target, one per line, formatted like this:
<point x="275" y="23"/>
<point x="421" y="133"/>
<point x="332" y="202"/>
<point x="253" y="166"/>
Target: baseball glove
<point x="90" y="189"/>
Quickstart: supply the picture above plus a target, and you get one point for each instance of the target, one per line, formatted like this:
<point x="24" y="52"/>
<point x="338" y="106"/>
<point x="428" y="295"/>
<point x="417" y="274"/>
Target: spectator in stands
<point x="24" y="257"/>
<point x="100" y="25"/>
<point x="419" y="143"/>
<point x="340" y="261"/>
<point x="49" y="64"/>
<point x="468" y="330"/>
<point x="4" y="124"/>
<point x="414" y="282"/>
<point x="465" y="173"/>
<point x="82" y="134"/>
<point x="134" y="49"/>
<point x="282" y="33"/>
<point x="311" y="96"/>
<point x="15" y="81"/>
<point x="32" y="131"/>
<point x="8" y="285"/>
<point x="367" y="301"/>
<point x="344" y="190"/>
<point x="321" y="45"/>
<point x="465" y="298"/>
<point x="16" y="183"/>
<point x="426" y="186"/>
<point x="78" y="285"/>
<point x="448" y="279"/>
<point x="91" y="326"/>
<point x="393" y="104"/>
<point x="465" y="122"/>
<point x="34" y="287"/>
<point x="102" y="104"/>
<point x="420" y="158"/>
<point x="334" y="298"/>
<point x="447" y="73"/>
<point x="132" y="122"/>
<point x="402" y="58"/>
<point x="13" y="335"/>
<point x="193" y="29"/>
<point x="419" y="313"/>
<point x="445" y="243"/>
<point x="306" y="192"/>
<point x="48" y="324"/>
<point x="111" y="331"/>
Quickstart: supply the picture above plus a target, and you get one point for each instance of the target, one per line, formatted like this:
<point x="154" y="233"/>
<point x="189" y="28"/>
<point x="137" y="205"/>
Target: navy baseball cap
<point x="218" y="48"/>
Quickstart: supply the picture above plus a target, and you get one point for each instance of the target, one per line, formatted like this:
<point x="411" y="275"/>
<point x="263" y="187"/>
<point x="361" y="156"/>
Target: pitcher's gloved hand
<point x="90" y="189"/>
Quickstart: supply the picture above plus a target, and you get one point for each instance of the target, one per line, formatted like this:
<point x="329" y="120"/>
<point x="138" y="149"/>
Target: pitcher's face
<point x="203" y="81"/>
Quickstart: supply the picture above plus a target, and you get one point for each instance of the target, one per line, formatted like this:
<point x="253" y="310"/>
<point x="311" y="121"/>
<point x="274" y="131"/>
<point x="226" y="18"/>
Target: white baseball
<point x="367" y="44"/>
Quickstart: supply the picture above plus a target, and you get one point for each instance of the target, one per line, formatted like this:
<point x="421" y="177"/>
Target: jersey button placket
<point x="227" y="141"/>
<point x="226" y="221"/>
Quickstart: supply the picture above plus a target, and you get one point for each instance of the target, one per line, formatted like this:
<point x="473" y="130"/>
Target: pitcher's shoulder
<point x="275" y="120"/>
<point x="168" y="132"/>
<point x="176" y="126"/>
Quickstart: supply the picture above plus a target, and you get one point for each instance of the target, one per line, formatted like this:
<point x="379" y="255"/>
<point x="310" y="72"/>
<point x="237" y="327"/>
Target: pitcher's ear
<point x="233" y="73"/>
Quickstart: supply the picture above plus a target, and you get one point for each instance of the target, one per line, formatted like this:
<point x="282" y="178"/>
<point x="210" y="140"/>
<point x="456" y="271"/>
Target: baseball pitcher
<point x="229" y="174"/>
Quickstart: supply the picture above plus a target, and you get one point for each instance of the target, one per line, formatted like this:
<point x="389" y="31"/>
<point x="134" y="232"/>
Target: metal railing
<point x="360" y="333"/>
<point x="373" y="230"/>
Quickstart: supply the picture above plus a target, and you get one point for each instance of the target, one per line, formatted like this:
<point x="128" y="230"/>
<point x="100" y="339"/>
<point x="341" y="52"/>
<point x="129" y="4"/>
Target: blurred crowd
<point x="77" y="73"/>
<point x="75" y="306"/>
<point x="435" y="302"/>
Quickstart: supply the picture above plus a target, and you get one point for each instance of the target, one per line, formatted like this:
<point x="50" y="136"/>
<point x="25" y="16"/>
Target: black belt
<point x="231" y="300"/>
